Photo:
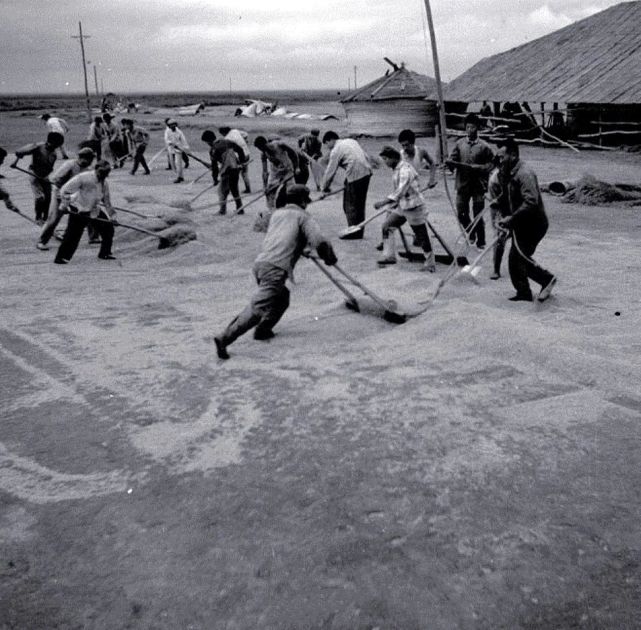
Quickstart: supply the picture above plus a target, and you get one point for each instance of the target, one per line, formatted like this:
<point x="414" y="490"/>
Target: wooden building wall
<point x="389" y="117"/>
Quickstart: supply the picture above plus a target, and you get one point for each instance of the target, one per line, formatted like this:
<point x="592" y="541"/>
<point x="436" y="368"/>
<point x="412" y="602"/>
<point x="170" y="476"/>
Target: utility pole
<point x="349" y="84"/>
<point x="95" y="78"/>
<point x="439" y="85"/>
<point x="355" y="84"/>
<point x="82" y="38"/>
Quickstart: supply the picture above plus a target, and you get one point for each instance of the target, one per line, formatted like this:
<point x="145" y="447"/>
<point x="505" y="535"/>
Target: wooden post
<point x="439" y="85"/>
<point x="82" y="38"/>
<point x="355" y="68"/>
<point x="95" y="78"/>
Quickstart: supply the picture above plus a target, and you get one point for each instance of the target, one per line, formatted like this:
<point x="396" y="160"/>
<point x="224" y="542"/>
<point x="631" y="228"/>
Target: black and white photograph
<point x="320" y="315"/>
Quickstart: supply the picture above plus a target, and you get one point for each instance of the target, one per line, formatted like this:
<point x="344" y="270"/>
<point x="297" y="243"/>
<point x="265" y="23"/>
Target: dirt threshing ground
<point x="476" y="467"/>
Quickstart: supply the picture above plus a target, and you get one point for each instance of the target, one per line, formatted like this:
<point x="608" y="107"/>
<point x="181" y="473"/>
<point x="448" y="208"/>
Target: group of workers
<point x="511" y="186"/>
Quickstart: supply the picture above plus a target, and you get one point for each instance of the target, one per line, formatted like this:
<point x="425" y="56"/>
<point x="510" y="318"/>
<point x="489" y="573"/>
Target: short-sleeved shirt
<point x="476" y="152"/>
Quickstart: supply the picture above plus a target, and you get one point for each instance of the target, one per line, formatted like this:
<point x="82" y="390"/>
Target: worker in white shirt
<point x="176" y="143"/>
<point x="86" y="198"/>
<point x="53" y="123"/>
<point x="348" y="154"/>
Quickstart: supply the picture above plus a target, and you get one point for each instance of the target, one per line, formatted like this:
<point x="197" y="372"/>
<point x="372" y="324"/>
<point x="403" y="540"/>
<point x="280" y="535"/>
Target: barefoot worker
<point x="82" y="196"/>
<point x="471" y="158"/>
<point x="226" y="161"/>
<point x="43" y="157"/>
<point x="408" y="205"/>
<point x="348" y="154"/>
<point x="59" y="178"/>
<point x="528" y="223"/>
<point x="290" y="231"/>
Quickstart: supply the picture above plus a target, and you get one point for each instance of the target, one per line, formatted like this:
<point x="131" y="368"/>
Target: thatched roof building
<point x="393" y="102"/>
<point x="595" y="60"/>
<point x="591" y="66"/>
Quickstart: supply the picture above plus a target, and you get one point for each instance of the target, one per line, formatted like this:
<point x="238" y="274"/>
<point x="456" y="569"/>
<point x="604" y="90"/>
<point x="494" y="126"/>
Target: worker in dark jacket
<point x="291" y="230"/>
<point x="528" y="224"/>
<point x="471" y="158"/>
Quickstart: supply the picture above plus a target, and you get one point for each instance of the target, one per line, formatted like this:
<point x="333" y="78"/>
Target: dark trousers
<point x="42" y="198"/>
<point x="266" y="307"/>
<point x="76" y="226"/>
<point x="229" y="184"/>
<point x="463" y="198"/>
<point x="394" y="220"/>
<point x="139" y="159"/>
<point x="303" y="174"/>
<point x="522" y="269"/>
<point x="354" y="198"/>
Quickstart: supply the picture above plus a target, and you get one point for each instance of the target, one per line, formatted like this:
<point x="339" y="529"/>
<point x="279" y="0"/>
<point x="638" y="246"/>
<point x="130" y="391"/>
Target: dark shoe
<point x="352" y="236"/>
<point x="132" y="172"/>
<point x="521" y="298"/>
<point x="221" y="350"/>
<point x="178" y="180"/>
<point x="60" y="261"/>
<point x="42" y="246"/>
<point x="379" y="247"/>
<point x="547" y="290"/>
<point x="240" y="211"/>
<point x="169" y="168"/>
<point x="222" y="212"/>
<point x="480" y="246"/>
<point x="147" y="173"/>
<point x="495" y="276"/>
<point x="247" y="190"/>
<point x="107" y="257"/>
<point x="94" y="241"/>
<point x="388" y="260"/>
<point x="263" y="335"/>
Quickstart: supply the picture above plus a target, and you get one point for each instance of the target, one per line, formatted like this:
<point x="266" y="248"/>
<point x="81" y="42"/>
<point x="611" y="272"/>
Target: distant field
<point x="15" y="102"/>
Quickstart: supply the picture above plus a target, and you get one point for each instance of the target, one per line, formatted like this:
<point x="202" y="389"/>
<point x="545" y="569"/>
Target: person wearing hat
<point x="472" y="159"/>
<point x="176" y="143"/>
<point x="58" y="125"/>
<point x="43" y="157"/>
<point x="349" y="155"/>
<point x="291" y="230"/>
<point x="59" y="178"/>
<point x="407" y="204"/>
<point x="139" y="138"/>
<point x="86" y="198"/>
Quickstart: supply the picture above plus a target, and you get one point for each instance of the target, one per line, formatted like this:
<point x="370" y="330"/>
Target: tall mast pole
<point x="95" y="78"/>
<point x="82" y="38"/>
<point x="439" y="85"/>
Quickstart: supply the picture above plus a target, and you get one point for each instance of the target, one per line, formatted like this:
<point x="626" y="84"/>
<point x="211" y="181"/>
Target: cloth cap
<point x="297" y="193"/>
<point x="390" y="152"/>
<point x="86" y="153"/>
<point x="171" y="121"/>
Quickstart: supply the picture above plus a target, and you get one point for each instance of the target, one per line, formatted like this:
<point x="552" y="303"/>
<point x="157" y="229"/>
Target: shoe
<point x="60" y="261"/>
<point x="221" y="350"/>
<point x="107" y="257"/>
<point x="42" y="246"/>
<point x="352" y="236"/>
<point x="247" y="190"/>
<point x="178" y="180"/>
<point x="379" y="247"/>
<point x="386" y="260"/>
<point x="94" y="241"/>
<point x="147" y="173"/>
<point x="546" y="290"/>
<point x="40" y="222"/>
<point x="169" y="168"/>
<point x="132" y="172"/>
<point x="263" y="335"/>
<point x="495" y="276"/>
<point x="480" y="246"/>
<point x="241" y="211"/>
<point x="221" y="212"/>
<point x="521" y="298"/>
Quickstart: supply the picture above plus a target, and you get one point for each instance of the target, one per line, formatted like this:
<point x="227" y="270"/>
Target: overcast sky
<point x="198" y="45"/>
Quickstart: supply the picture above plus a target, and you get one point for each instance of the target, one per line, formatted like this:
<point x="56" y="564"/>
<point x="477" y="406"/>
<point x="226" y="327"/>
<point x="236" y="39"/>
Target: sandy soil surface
<point x="477" y="467"/>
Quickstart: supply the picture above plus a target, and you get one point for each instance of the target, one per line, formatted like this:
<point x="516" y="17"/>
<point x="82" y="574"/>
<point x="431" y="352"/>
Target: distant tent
<point x="400" y="99"/>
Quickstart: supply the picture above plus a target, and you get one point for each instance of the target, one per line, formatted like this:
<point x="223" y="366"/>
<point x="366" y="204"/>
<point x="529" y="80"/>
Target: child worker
<point x="291" y="230"/>
<point x="409" y="206"/>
